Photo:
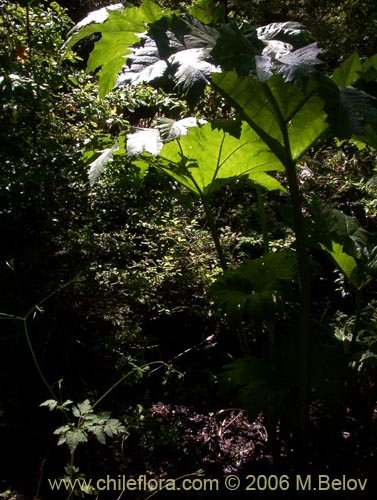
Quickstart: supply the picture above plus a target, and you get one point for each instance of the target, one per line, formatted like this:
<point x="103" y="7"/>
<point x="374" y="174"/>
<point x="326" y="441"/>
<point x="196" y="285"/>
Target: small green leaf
<point x="100" y="434"/>
<point x="62" y="440"/>
<point x="50" y="403"/>
<point x="82" y="408"/>
<point x="344" y="240"/>
<point x="113" y="427"/>
<point x="74" y="437"/>
<point x="100" y="163"/>
<point x="66" y="404"/>
<point x="333" y="225"/>
<point x="62" y="430"/>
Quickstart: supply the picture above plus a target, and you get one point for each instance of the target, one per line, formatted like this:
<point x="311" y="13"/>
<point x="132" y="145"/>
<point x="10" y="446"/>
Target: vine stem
<point x="35" y="360"/>
<point x="24" y="320"/>
<point x="118" y="382"/>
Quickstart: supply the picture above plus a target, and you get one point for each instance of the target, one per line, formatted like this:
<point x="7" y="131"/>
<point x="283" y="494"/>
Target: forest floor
<point x="202" y="444"/>
<point x="227" y="443"/>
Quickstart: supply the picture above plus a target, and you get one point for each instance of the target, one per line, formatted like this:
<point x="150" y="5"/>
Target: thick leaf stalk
<point x="214" y="233"/>
<point x="304" y="330"/>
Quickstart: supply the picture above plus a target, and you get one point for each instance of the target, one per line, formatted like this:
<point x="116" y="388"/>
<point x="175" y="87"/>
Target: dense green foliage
<point x="190" y="220"/>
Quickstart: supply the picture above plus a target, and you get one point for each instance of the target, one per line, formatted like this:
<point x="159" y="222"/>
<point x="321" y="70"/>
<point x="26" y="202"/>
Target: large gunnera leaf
<point x="145" y="64"/>
<point x="121" y="29"/>
<point x="257" y="288"/>
<point x="96" y="16"/>
<point x="143" y="44"/>
<point x="290" y="32"/>
<point x="286" y="118"/>
<point x="207" y="158"/>
<point x="192" y="67"/>
<point x="256" y="385"/>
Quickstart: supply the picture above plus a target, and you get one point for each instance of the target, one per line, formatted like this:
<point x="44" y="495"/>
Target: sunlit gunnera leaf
<point x="207" y="158"/>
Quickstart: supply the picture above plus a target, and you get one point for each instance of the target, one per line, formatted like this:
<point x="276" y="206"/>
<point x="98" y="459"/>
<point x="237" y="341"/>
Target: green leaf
<point x="290" y="32"/>
<point x="142" y="140"/>
<point x="207" y="11"/>
<point x="257" y="385"/>
<point x="144" y="65"/>
<point x="61" y="432"/>
<point x="141" y="169"/>
<point x="347" y="72"/>
<point x="258" y="287"/>
<point x="173" y="129"/>
<point x="113" y="427"/>
<point x="372" y="264"/>
<point x="296" y="66"/>
<point x="198" y="36"/>
<point x="236" y="50"/>
<point x="344" y="261"/>
<point x="182" y="53"/>
<point x="369" y="136"/>
<point x="66" y="404"/>
<point x="100" y="434"/>
<point x="99" y="164"/>
<point x="344" y="240"/>
<point x="286" y="119"/>
<point x="110" y="53"/>
<point x="356" y="109"/>
<point x="266" y="181"/>
<point x="96" y="16"/>
<point x="333" y="225"/>
<point x="120" y="30"/>
<point x="287" y="53"/>
<point x="351" y="110"/>
<point x="208" y="158"/>
<point x="299" y="65"/>
<point x="192" y="68"/>
<point x="82" y="408"/>
<point x="151" y="11"/>
<point x="50" y="403"/>
<point x="74" y="438"/>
